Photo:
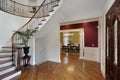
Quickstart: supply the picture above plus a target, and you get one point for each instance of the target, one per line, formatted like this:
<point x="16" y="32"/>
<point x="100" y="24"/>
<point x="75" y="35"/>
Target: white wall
<point x="47" y="39"/>
<point x="40" y="50"/>
<point x="53" y="42"/>
<point x="107" y="7"/>
<point x="9" y="23"/>
<point x="48" y="47"/>
<point x="83" y="16"/>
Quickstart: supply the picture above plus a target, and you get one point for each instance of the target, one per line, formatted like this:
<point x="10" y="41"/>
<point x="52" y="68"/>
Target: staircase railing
<point x="16" y="8"/>
<point x="34" y="22"/>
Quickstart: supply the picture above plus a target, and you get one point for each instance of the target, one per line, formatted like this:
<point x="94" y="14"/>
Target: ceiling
<point x="79" y="9"/>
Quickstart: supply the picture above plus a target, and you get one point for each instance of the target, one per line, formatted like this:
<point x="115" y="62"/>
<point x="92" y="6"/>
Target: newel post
<point x="19" y="58"/>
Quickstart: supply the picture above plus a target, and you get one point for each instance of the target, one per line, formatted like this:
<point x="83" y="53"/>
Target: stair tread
<point x="4" y="56"/>
<point x="51" y="10"/>
<point x="7" y="47"/>
<point x="11" y="48"/>
<point x="39" y="24"/>
<point x="16" y="78"/>
<point x="6" y="67"/>
<point x="43" y="20"/>
<point x="8" y="74"/>
<point x="56" y="5"/>
<point x="2" y="62"/>
<point x="5" y="51"/>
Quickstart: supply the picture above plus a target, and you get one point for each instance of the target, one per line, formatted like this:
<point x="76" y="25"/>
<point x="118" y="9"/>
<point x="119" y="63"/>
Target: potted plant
<point x="25" y="36"/>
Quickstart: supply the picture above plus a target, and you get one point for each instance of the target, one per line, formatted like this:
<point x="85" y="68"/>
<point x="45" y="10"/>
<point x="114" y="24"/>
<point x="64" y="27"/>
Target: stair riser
<point x="6" y="64"/>
<point x="5" y="59"/>
<point x="7" y="70"/>
<point x="12" y="76"/>
<point x="5" y="54"/>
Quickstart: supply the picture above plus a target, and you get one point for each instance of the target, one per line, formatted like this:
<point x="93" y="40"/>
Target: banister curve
<point x="12" y="39"/>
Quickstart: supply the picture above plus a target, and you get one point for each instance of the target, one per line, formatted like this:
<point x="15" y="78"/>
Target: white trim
<point x="103" y="71"/>
<point x="81" y="21"/>
<point x="70" y="30"/>
<point x="81" y="42"/>
<point x="90" y="53"/>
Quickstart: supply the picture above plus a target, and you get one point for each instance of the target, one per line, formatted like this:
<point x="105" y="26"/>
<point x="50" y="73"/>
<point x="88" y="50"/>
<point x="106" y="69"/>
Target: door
<point x="113" y="42"/>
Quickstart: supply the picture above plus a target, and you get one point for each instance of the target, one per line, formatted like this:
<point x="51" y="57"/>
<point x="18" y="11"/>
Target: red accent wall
<point x="90" y="32"/>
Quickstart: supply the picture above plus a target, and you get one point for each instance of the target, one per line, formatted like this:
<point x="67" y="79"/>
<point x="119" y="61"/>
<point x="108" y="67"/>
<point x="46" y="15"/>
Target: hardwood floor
<point x="70" y="68"/>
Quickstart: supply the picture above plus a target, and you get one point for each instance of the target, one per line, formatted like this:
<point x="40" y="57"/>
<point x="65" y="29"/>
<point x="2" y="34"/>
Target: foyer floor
<point x="70" y="68"/>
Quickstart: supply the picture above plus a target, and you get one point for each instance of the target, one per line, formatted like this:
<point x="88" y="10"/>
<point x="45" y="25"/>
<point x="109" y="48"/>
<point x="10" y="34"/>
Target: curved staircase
<point x="9" y="67"/>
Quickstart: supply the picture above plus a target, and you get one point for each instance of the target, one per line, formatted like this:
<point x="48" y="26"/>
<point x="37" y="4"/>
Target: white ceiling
<point x="78" y="9"/>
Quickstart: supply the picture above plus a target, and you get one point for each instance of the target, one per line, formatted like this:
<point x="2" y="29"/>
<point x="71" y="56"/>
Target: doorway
<point x="72" y="41"/>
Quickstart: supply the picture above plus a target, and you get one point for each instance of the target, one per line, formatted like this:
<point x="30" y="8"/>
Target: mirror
<point x="107" y="41"/>
<point x="115" y="41"/>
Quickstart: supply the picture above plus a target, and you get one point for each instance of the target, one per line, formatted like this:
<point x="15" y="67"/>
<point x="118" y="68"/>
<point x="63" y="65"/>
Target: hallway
<point x="70" y="68"/>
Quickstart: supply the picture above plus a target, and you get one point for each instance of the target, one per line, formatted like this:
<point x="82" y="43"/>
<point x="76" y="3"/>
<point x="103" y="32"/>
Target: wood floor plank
<point x="70" y="68"/>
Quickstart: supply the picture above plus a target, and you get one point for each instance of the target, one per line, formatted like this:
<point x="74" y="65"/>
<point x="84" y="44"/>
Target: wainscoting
<point x="90" y="53"/>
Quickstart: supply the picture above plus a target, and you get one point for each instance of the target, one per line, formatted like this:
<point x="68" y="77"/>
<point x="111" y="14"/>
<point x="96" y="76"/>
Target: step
<point x="7" y="69"/>
<point x="51" y="10"/>
<point x="16" y="78"/>
<point x="10" y="48"/>
<point x="2" y="62"/>
<point x="5" y="51"/>
<point x="39" y="24"/>
<point x="6" y="58"/>
<point x="43" y="20"/>
<point x="10" y="75"/>
<point x="7" y="47"/>
<point x="5" y="63"/>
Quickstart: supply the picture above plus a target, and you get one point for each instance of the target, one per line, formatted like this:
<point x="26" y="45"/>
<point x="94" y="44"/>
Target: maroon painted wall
<point x="90" y="32"/>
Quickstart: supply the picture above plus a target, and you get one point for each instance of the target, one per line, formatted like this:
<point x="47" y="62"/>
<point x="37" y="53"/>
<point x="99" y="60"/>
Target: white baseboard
<point x="55" y="60"/>
<point x="103" y="71"/>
